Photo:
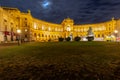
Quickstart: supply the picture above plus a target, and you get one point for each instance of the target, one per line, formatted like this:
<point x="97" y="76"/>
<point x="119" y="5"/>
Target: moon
<point x="46" y="4"/>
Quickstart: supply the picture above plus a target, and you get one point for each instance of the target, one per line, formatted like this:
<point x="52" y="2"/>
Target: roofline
<point x="12" y="8"/>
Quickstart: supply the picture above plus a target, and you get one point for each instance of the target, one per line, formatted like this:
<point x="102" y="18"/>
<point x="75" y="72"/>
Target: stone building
<point x="32" y="29"/>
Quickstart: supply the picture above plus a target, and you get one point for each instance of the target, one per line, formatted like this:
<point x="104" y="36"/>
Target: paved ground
<point x="8" y="44"/>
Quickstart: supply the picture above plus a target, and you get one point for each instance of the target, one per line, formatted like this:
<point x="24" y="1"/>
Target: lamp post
<point x="69" y="33"/>
<point x="19" y="38"/>
<point x="116" y="32"/>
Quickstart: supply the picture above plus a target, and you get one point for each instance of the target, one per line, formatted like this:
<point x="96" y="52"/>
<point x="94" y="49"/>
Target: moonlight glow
<point x="46" y="4"/>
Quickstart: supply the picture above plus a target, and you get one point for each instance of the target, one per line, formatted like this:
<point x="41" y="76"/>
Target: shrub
<point x="68" y="39"/>
<point x="49" y="40"/>
<point x="61" y="39"/>
<point x="77" y="38"/>
<point x="90" y="38"/>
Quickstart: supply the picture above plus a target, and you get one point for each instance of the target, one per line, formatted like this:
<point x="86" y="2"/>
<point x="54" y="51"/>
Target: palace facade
<point x="32" y="29"/>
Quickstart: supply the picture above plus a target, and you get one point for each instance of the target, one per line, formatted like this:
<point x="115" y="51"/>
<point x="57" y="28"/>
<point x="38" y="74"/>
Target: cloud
<point x="82" y="11"/>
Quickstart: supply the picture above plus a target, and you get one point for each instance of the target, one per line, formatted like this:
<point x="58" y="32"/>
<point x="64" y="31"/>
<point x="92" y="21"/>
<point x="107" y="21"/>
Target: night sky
<point x="82" y="11"/>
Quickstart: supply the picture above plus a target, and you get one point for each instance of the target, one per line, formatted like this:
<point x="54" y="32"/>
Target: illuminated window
<point x="43" y="27"/>
<point x="49" y="29"/>
<point x="35" y="26"/>
<point x="55" y="29"/>
<point x="26" y="30"/>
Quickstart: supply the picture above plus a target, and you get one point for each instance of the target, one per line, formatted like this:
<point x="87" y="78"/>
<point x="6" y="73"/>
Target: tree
<point x="61" y="39"/>
<point x="77" y="38"/>
<point x="68" y="39"/>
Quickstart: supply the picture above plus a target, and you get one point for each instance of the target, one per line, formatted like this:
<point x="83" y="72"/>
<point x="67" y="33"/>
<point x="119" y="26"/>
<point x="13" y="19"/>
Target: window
<point x="25" y="18"/>
<point x="42" y="35"/>
<point x="102" y="35"/>
<point x="39" y="34"/>
<point x="98" y="35"/>
<point x="25" y="24"/>
<point x="25" y="36"/>
<point x="34" y="34"/>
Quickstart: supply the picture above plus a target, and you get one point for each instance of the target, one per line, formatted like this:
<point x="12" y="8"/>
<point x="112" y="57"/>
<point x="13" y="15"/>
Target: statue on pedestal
<point x="90" y="34"/>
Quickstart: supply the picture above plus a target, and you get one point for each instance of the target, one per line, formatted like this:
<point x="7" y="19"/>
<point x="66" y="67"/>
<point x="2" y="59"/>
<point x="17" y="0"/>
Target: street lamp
<point x="19" y="39"/>
<point x="116" y="32"/>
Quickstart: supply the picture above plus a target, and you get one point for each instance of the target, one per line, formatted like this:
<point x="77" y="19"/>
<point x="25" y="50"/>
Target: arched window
<point x="42" y="35"/>
<point x="34" y="34"/>
<point x="102" y="35"/>
<point x="25" y="35"/>
<point x="39" y="34"/>
<point x="49" y="36"/>
<point x="52" y="35"/>
<point x="98" y="35"/>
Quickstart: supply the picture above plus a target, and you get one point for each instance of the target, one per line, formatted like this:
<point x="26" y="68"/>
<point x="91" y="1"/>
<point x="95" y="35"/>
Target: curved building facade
<point x="32" y="29"/>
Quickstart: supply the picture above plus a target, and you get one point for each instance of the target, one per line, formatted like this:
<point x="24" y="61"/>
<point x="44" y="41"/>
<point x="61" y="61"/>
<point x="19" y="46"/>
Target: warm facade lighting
<point x="35" y="26"/>
<point x="49" y="29"/>
<point x="43" y="28"/>
<point x="68" y="29"/>
<point x="19" y="37"/>
<point x="26" y="30"/>
<point x="18" y="31"/>
<point x="116" y="31"/>
<point x="30" y="26"/>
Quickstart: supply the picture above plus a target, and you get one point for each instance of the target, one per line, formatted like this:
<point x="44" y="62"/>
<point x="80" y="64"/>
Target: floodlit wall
<point x="32" y="29"/>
